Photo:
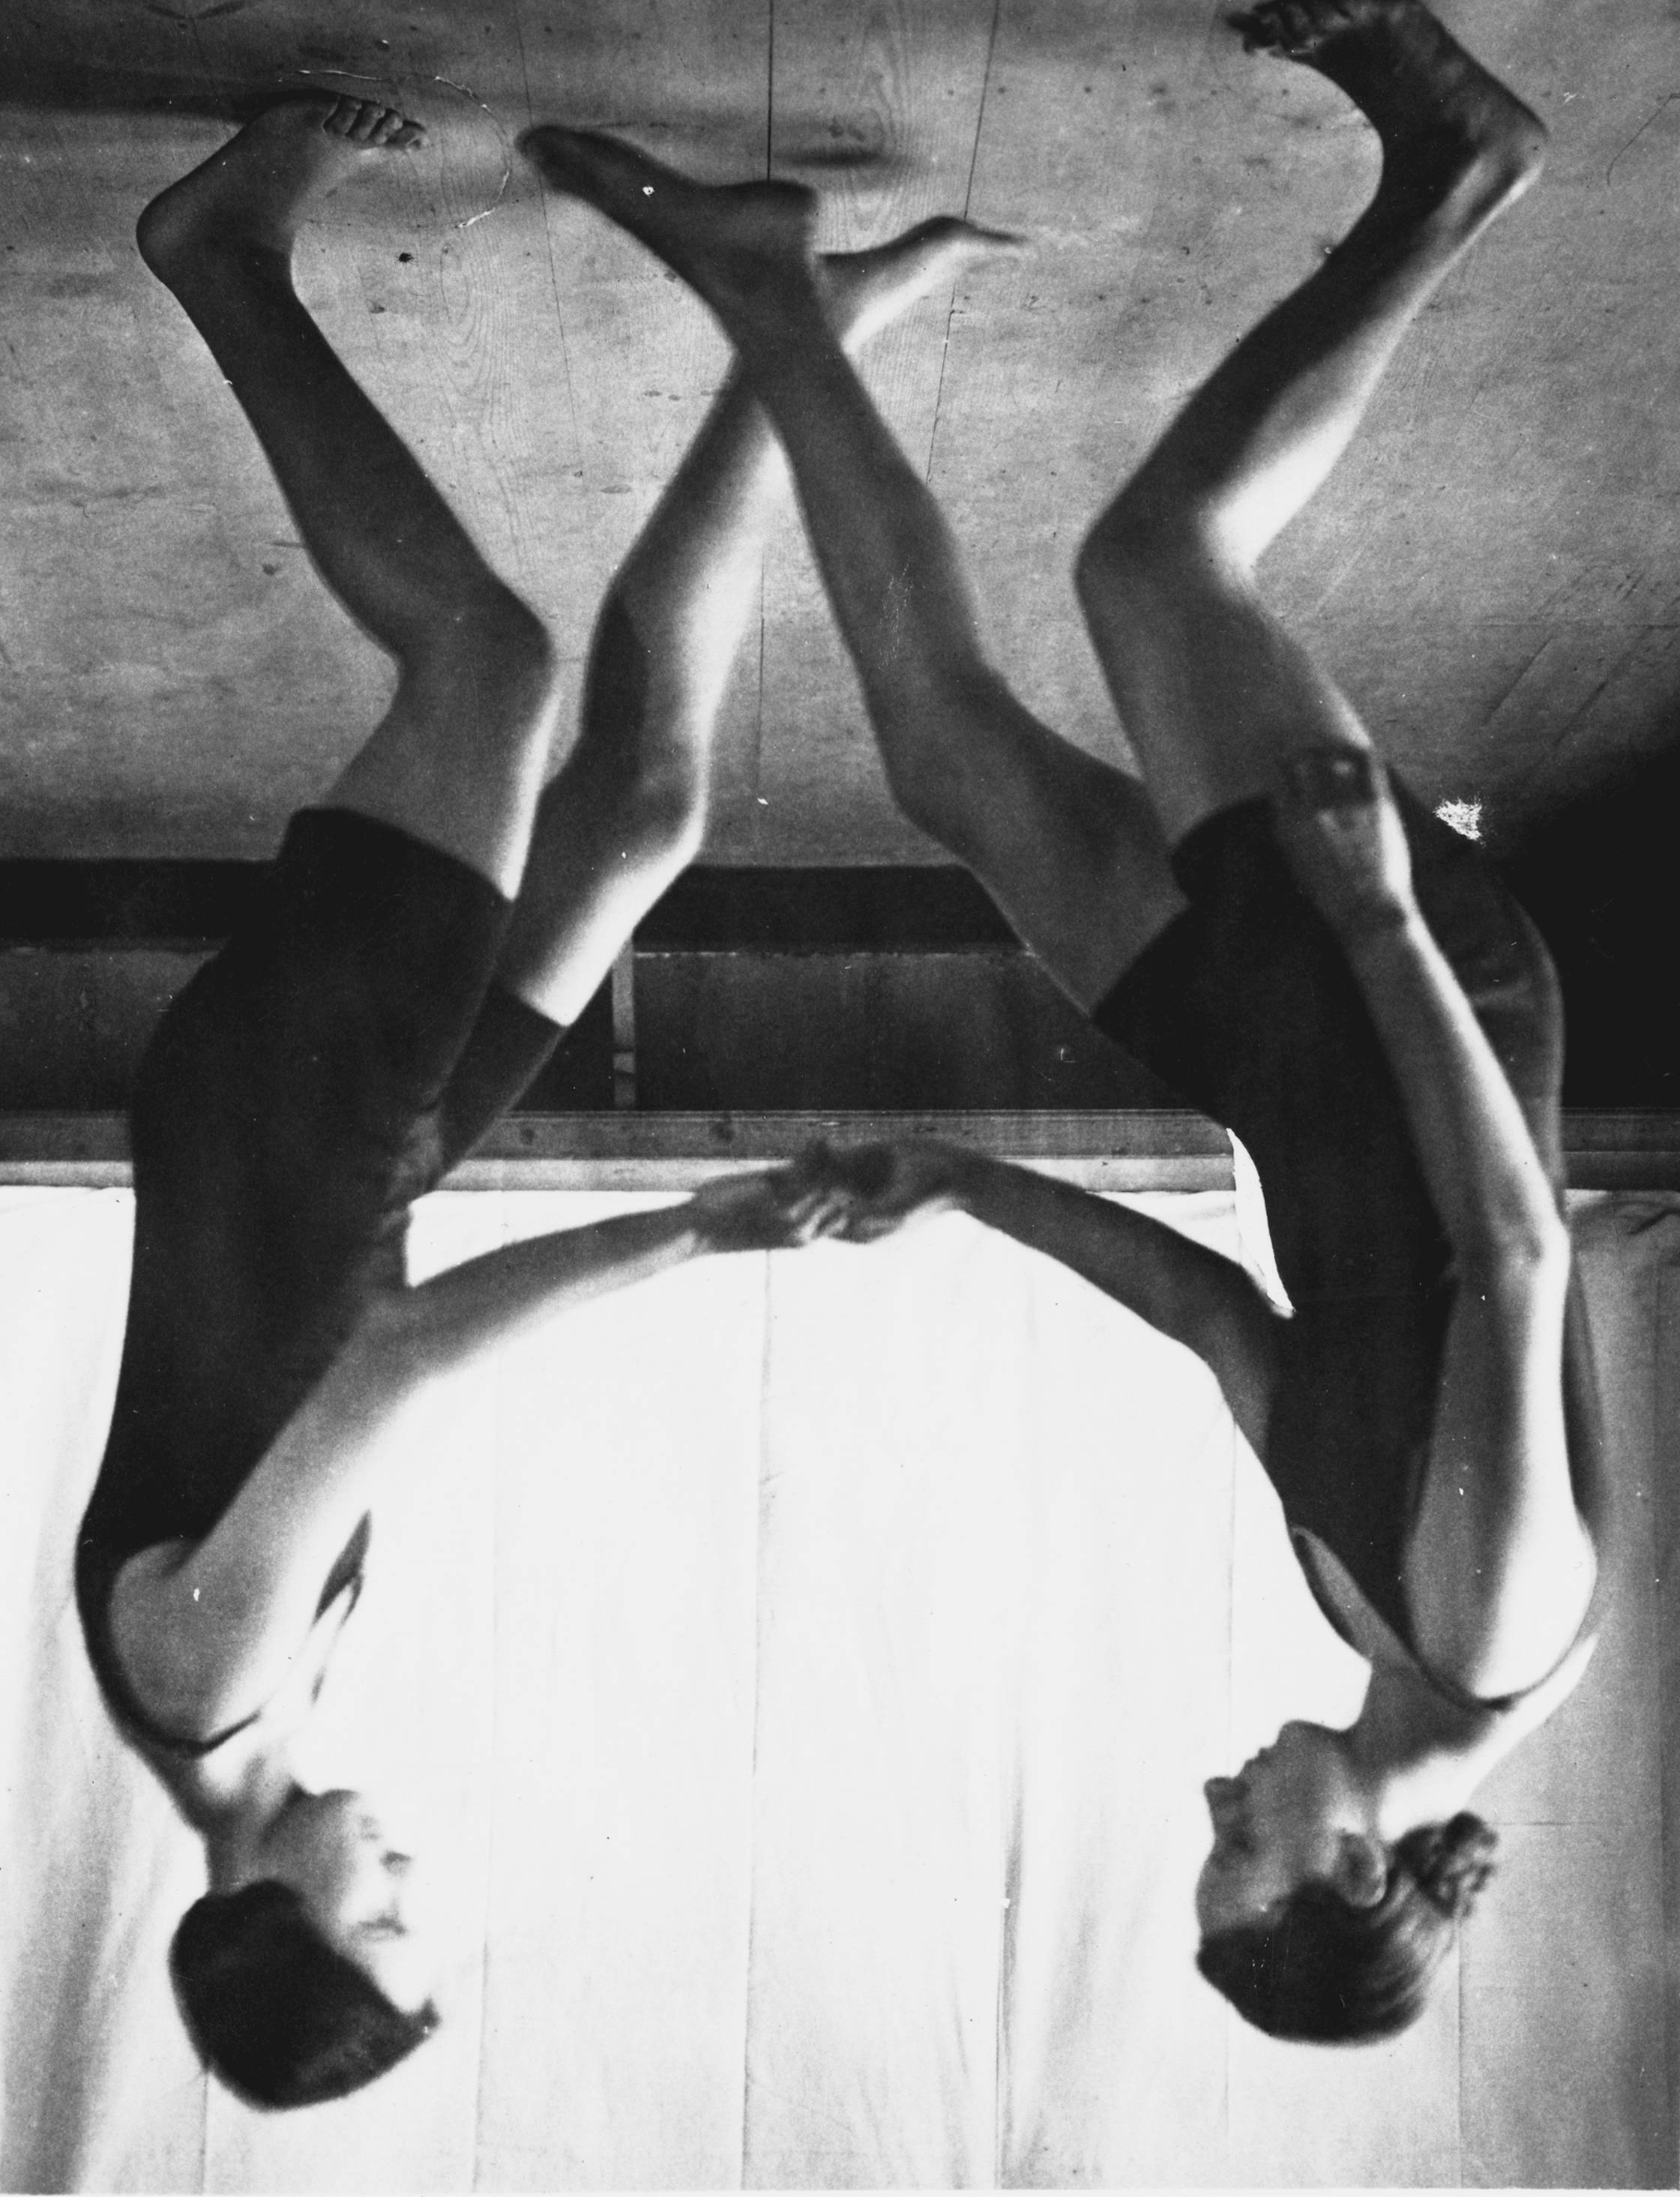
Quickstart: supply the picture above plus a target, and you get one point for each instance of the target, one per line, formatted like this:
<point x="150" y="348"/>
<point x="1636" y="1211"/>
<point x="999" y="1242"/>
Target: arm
<point x="1182" y="1289"/>
<point x="1499" y="1570"/>
<point x="239" y="1602"/>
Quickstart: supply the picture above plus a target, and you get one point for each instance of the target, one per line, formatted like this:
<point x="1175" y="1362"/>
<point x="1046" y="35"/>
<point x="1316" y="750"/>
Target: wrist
<point x="682" y="1231"/>
<point x="1384" y="928"/>
<point x="967" y="1183"/>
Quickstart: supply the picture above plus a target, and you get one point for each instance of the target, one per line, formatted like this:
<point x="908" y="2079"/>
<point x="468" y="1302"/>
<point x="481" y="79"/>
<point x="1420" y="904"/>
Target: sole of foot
<point x="1448" y="127"/>
<point x="261" y="187"/>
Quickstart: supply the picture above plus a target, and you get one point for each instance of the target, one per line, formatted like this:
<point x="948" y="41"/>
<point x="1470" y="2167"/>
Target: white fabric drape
<point x="800" y="1674"/>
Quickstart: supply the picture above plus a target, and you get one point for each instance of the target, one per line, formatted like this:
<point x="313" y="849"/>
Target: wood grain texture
<point x="1491" y="572"/>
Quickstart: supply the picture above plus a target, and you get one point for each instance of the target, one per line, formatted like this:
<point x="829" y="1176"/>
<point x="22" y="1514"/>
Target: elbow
<point x="1531" y="1257"/>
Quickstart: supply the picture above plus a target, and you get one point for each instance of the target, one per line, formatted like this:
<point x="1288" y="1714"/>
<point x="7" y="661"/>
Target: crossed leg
<point x="1211" y="689"/>
<point x="628" y="809"/>
<point x="458" y="761"/>
<point x="1067" y="846"/>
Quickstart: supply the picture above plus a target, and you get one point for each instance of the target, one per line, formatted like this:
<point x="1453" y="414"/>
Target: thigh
<point x="509" y="1043"/>
<point x="1212" y="691"/>
<point x="329" y="1025"/>
<point x="1070" y="846"/>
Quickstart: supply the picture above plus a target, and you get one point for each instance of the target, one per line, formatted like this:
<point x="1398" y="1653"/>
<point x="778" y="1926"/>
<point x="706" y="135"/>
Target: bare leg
<point x="1212" y="691"/>
<point x="458" y="761"/>
<point x="1069" y="847"/>
<point x="628" y="810"/>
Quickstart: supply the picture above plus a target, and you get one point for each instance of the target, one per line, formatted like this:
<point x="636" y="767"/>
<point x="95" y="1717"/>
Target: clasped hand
<point x="857" y="1195"/>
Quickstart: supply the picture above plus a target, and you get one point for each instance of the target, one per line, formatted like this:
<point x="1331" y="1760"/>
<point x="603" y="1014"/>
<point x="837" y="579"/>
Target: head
<point x="309" y="1977"/>
<point x="1313" y="1927"/>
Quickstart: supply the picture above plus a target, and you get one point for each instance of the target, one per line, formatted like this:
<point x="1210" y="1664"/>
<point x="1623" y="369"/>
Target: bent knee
<point x="1137" y="552"/>
<point x="660" y="814"/>
<point x="1522" y="1269"/>
<point x="495" y="643"/>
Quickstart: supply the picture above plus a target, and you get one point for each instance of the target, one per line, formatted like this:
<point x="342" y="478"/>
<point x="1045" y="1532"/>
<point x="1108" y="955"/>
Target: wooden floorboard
<point x="1491" y="571"/>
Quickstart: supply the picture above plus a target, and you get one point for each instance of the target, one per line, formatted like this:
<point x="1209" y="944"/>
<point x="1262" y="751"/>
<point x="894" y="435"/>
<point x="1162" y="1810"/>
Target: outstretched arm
<point x="1499" y="1570"/>
<point x="1181" y="1288"/>
<point x="239" y="1602"/>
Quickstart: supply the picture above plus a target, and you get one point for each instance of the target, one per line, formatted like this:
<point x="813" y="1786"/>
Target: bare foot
<point x="1453" y="137"/>
<point x="863" y="290"/>
<point x="1344" y="839"/>
<point x="731" y="244"/>
<point x="264" y="185"/>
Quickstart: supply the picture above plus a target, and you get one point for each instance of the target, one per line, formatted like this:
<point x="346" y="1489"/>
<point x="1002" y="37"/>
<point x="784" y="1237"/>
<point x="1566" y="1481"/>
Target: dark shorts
<point x="347" y="1045"/>
<point x="1245" y="1005"/>
<point x="329" y="1065"/>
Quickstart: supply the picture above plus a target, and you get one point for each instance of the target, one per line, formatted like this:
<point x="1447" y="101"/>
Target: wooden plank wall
<point x="1489" y="573"/>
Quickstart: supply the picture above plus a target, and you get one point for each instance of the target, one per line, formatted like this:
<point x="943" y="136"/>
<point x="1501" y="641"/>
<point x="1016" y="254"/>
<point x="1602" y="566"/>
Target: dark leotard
<point x="324" y="1069"/>
<point x="1247" y="1005"/>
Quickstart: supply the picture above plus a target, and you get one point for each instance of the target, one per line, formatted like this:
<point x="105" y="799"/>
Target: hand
<point x="1344" y="840"/>
<point x="778" y="1211"/>
<point x="888" y="1186"/>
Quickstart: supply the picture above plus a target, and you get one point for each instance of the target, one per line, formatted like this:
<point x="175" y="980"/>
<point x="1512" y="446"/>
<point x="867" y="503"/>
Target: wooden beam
<point x="937" y="909"/>
<point x="1133" y="1151"/>
<point x="624" y="1151"/>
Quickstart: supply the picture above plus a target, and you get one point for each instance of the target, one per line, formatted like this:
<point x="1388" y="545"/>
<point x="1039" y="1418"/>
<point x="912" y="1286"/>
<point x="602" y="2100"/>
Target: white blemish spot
<point x="1464" y="817"/>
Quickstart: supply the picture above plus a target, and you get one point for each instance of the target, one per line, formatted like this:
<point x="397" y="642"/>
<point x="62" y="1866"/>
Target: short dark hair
<point x="280" y="2017"/>
<point x="1330" y="1973"/>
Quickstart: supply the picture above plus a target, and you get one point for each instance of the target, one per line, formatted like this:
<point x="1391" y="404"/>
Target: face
<point x="361" y="1888"/>
<point x="1291" y="1817"/>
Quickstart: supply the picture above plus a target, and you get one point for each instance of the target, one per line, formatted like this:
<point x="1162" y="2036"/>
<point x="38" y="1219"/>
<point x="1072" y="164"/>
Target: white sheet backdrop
<point x="803" y="1671"/>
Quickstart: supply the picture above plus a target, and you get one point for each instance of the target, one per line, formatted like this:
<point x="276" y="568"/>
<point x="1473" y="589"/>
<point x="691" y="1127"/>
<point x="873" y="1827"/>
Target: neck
<point x="1415" y="1755"/>
<point x="234" y="1842"/>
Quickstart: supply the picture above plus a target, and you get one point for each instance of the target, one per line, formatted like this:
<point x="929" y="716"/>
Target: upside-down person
<point x="424" y="937"/>
<point x="1278" y="928"/>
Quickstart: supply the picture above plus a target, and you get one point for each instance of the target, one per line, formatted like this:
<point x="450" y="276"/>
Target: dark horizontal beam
<point x="902" y="910"/>
<point x="830" y="911"/>
<point x="1130" y="1149"/>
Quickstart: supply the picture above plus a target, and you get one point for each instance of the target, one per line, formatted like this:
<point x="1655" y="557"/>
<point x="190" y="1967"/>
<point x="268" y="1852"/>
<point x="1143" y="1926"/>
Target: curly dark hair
<point x="280" y="2017"/>
<point x="1329" y="1972"/>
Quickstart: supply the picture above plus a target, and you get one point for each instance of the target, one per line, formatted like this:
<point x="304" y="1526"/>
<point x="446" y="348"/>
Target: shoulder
<point x="167" y="1645"/>
<point x="1352" y="1614"/>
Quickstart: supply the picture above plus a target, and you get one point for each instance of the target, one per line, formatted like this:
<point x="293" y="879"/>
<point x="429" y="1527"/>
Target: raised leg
<point x="458" y="761"/>
<point x="1067" y="846"/>
<point x="628" y="810"/>
<point x="1212" y="691"/>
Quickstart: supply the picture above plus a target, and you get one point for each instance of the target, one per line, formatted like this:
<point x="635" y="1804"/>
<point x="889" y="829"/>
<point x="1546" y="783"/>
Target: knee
<point x="496" y="641"/>
<point x="1135" y="549"/>
<point x="1145" y="576"/>
<point x="662" y="812"/>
